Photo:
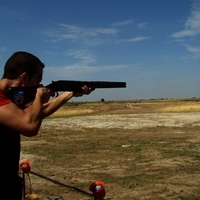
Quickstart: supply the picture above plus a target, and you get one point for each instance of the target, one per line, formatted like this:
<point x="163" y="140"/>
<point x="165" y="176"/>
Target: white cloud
<point x="123" y="23"/>
<point x="70" y="32"/>
<point x="141" y="25"/>
<point x="80" y="72"/>
<point x="89" y="69"/>
<point x="192" y="24"/>
<point x="106" y="30"/>
<point x="193" y="49"/>
<point x="135" y="39"/>
<point x="84" y="56"/>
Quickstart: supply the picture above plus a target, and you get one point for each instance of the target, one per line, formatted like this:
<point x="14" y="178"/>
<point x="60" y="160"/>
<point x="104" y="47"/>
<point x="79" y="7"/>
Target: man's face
<point x="36" y="78"/>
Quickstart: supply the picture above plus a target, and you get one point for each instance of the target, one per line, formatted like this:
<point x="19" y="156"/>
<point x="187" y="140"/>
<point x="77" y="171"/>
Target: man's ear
<point x="24" y="77"/>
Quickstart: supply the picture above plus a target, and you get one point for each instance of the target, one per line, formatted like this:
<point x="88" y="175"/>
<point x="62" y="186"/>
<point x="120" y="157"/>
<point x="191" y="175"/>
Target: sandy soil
<point x="127" y="121"/>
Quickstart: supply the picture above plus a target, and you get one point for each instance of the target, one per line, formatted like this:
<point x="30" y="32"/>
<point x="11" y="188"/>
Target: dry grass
<point x="129" y="107"/>
<point x="182" y="107"/>
<point x="71" y="112"/>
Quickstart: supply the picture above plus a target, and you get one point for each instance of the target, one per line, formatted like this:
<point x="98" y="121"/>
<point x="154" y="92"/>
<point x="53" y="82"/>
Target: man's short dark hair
<point x="21" y="62"/>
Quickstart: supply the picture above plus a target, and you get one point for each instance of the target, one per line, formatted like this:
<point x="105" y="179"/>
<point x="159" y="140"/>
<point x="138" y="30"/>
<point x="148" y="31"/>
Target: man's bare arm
<point x="27" y="121"/>
<point x="51" y="106"/>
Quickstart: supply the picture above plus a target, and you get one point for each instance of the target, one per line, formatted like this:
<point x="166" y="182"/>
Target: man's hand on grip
<point x="44" y="94"/>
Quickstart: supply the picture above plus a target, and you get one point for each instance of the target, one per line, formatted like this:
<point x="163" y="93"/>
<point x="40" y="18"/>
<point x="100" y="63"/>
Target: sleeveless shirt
<point x="9" y="147"/>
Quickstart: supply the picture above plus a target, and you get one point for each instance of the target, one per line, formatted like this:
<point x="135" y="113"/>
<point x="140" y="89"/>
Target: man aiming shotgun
<point x="24" y="70"/>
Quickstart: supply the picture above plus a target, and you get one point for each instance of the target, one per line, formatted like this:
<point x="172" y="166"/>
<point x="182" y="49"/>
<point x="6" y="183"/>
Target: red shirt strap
<point x="4" y="99"/>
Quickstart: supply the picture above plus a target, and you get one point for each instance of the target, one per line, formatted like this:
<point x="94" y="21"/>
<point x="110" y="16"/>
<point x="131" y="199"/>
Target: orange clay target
<point x="98" y="190"/>
<point x="25" y="166"/>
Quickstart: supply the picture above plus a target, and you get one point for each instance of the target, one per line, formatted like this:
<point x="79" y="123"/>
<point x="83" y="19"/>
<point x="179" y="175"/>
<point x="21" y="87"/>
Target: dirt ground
<point x="126" y="121"/>
<point x="73" y="178"/>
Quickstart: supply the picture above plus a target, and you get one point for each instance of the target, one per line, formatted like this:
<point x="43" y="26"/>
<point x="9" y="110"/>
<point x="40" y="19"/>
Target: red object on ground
<point x="98" y="190"/>
<point x="25" y="166"/>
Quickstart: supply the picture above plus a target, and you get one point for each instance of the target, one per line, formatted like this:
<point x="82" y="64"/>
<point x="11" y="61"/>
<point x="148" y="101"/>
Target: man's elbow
<point x="30" y="134"/>
<point x="30" y="131"/>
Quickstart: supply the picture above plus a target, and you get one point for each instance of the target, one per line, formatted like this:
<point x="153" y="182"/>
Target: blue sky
<point x="154" y="46"/>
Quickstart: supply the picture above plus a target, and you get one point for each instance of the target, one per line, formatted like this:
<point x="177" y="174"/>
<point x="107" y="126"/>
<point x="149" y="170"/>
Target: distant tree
<point x="102" y="100"/>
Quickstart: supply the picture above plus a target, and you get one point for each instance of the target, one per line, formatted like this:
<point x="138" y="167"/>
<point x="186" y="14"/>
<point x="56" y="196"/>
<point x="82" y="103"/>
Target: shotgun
<point x="24" y="95"/>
